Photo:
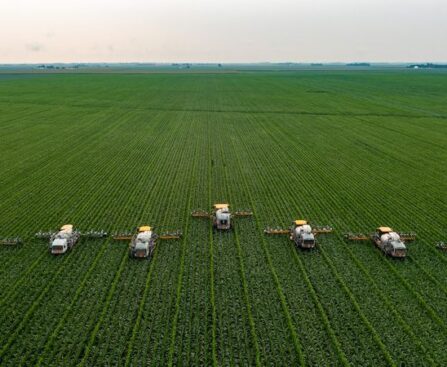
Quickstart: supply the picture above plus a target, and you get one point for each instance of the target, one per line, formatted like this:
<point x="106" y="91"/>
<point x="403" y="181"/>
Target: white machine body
<point x="142" y="245"/>
<point x="222" y="219"/>
<point x="392" y="244"/>
<point x="303" y="236"/>
<point x="63" y="240"/>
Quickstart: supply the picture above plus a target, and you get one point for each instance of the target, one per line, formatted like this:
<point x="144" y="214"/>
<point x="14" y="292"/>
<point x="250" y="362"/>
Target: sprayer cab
<point x="221" y="216"/>
<point x="302" y="234"/>
<point x="63" y="240"/>
<point x="144" y="240"/>
<point x="389" y="242"/>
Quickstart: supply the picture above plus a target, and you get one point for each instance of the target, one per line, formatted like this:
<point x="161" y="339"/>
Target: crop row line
<point x="30" y="311"/>
<point x="285" y="308"/>
<point x="38" y="144"/>
<point x="18" y="283"/>
<point x="73" y="154"/>
<point x="303" y="271"/>
<point x="87" y="348"/>
<point x="182" y="265"/>
<point x="367" y="210"/>
<point x="242" y="274"/>
<point x="352" y="299"/>
<point x="211" y="259"/>
<point x="168" y="195"/>
<point x="98" y="324"/>
<point x="387" y="262"/>
<point x="84" y="205"/>
<point x="389" y="305"/>
<point x="170" y="191"/>
<point x="68" y="309"/>
<point x="258" y="111"/>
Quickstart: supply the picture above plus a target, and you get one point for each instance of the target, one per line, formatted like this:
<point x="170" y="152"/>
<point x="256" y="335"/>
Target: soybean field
<point x="349" y="149"/>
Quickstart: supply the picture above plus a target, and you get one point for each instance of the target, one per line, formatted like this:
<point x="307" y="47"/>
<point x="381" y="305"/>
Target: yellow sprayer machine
<point x="221" y="215"/>
<point x="63" y="240"/>
<point x="142" y="243"/>
<point x="388" y="241"/>
<point x="301" y="233"/>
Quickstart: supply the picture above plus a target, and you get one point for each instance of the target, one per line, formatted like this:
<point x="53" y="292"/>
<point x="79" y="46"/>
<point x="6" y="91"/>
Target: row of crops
<point x="116" y="151"/>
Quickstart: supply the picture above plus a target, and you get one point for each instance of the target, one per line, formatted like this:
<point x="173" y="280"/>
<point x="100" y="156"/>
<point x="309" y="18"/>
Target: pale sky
<point x="34" y="31"/>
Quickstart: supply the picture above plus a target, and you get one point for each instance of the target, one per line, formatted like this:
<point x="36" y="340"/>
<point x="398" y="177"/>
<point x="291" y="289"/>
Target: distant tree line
<point x="427" y="65"/>
<point x="358" y="64"/>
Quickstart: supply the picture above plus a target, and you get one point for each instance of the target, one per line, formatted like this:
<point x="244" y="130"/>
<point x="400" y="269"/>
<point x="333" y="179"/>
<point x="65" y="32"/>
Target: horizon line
<point x="221" y="63"/>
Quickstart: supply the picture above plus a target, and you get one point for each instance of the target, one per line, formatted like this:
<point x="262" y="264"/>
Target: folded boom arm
<point x="123" y="236"/>
<point x="322" y="229"/>
<point x="200" y="214"/>
<point x="243" y="213"/>
<point x="407" y="236"/>
<point x="276" y="231"/>
<point x="171" y="235"/>
<point x="11" y="241"/>
<point x="356" y="237"/>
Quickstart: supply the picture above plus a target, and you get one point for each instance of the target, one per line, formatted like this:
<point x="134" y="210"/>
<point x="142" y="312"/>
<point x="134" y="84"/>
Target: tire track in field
<point x="242" y="271"/>
<point x="295" y="338"/>
<point x="110" y="293"/>
<point x="79" y="289"/>
<point x="239" y="111"/>
<point x="105" y="307"/>
<point x="118" y="177"/>
<point x="153" y="194"/>
<point x="323" y="188"/>
<point x="40" y="258"/>
<point x="97" y="175"/>
<point x="386" y="301"/>
<point x="233" y="331"/>
<point x="168" y="195"/>
<point x="166" y="174"/>
<point x="336" y="344"/>
<point x="211" y="241"/>
<point x="52" y="315"/>
<point x="420" y="300"/>
<point x="34" y="305"/>
<point x="195" y="314"/>
<point x="87" y="205"/>
<point x="26" y="260"/>
<point x="182" y="265"/>
<point x="42" y="289"/>
<point x="344" y="287"/>
<point x="369" y="209"/>
<point x="263" y="318"/>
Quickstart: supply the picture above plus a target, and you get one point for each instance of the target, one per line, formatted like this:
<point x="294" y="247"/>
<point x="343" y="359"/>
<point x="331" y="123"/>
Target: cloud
<point x="34" y="47"/>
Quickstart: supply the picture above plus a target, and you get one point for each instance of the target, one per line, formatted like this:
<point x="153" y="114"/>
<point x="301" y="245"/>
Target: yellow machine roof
<point x="220" y="206"/>
<point x="384" y="229"/>
<point x="67" y="227"/>
<point x="300" y="222"/>
<point x="144" y="228"/>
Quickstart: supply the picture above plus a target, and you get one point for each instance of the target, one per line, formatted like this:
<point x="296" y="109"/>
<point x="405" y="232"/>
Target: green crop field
<point x="349" y="149"/>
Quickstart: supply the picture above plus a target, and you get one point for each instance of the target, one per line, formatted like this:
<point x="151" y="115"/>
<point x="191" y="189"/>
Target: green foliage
<point x="353" y="150"/>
